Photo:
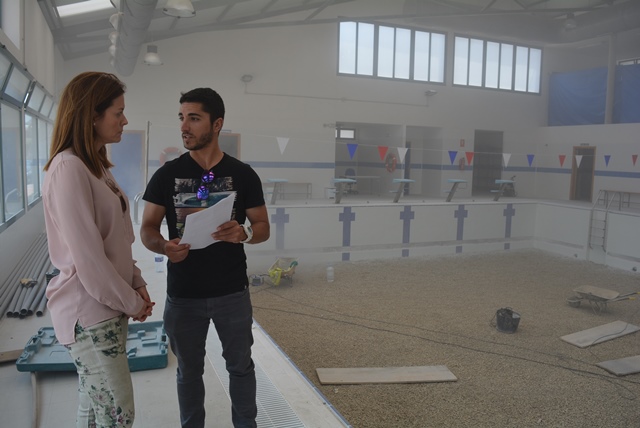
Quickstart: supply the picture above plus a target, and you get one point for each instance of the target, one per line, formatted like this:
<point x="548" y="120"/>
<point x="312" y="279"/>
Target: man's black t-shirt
<point x="220" y="268"/>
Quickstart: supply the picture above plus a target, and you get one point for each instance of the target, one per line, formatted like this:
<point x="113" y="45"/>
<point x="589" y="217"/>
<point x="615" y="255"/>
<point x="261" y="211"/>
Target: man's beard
<point x="202" y="142"/>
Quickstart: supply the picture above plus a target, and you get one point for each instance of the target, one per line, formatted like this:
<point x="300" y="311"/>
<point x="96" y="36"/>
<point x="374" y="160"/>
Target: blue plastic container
<point x="146" y="349"/>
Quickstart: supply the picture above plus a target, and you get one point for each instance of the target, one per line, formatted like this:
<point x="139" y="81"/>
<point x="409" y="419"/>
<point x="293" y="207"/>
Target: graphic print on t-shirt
<point x="185" y="199"/>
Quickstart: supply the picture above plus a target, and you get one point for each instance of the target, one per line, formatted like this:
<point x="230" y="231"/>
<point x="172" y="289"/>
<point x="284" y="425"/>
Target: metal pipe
<point x="38" y="272"/>
<point x="17" y="299"/>
<point x="16" y="303"/>
<point x="28" y="301"/>
<point x="17" y="271"/>
<point x="42" y="305"/>
<point x="37" y="295"/>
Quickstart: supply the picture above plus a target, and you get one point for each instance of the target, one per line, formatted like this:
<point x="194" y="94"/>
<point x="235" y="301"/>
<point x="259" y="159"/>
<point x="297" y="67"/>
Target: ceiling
<point x="536" y="22"/>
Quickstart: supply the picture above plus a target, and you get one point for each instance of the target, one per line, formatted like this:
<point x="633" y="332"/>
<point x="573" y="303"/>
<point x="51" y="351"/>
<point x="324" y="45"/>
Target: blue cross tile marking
<point x="346" y="217"/>
<point x="508" y="212"/>
<point x="406" y="216"/>
<point x="460" y="214"/>
<point x="280" y="219"/>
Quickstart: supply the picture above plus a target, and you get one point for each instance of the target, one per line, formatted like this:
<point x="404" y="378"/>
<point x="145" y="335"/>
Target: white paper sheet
<point x="199" y="226"/>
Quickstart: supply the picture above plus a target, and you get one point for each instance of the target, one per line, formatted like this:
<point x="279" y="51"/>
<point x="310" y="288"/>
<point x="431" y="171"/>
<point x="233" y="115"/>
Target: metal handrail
<point x="607" y="203"/>
<point x="135" y="207"/>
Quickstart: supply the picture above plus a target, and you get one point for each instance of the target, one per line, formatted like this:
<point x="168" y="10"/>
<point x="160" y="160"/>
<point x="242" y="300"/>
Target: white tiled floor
<point x="156" y="401"/>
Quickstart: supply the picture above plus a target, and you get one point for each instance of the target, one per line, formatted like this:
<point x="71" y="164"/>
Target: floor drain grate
<point x="273" y="410"/>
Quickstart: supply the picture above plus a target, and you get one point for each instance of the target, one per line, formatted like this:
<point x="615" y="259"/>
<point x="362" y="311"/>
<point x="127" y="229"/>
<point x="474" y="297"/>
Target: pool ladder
<point x="599" y="216"/>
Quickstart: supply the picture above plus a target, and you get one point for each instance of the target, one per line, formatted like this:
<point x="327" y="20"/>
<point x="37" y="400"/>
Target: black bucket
<point x="507" y="320"/>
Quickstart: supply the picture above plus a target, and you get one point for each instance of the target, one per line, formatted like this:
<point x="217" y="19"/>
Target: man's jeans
<point x="186" y="322"/>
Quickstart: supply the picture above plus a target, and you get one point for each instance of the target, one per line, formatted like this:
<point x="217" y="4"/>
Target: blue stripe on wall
<point x="330" y="165"/>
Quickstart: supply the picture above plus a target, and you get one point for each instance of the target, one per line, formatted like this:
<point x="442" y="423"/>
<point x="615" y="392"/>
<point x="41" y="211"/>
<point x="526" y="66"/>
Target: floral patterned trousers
<point x="106" y="391"/>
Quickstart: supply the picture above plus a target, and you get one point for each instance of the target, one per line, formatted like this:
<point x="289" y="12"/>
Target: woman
<point x="89" y="234"/>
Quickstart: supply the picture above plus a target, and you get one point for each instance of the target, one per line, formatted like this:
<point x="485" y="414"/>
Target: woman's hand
<point x="147" y="309"/>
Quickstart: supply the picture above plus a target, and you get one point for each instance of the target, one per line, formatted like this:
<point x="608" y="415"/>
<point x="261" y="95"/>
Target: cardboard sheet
<point x="352" y="376"/>
<point x="623" y="366"/>
<point x="595" y="335"/>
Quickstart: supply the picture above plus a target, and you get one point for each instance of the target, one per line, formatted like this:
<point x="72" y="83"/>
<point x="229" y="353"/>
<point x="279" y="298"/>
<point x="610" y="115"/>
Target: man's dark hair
<point x="211" y="101"/>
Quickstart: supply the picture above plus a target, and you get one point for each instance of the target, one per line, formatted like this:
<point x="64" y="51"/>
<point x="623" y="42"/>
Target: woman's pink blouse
<point x="89" y="240"/>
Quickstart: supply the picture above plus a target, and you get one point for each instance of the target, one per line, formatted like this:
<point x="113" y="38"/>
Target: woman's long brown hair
<point x="83" y="100"/>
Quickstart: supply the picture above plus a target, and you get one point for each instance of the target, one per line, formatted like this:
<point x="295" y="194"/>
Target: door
<point x="128" y="156"/>
<point x="487" y="161"/>
<point x="230" y="144"/>
<point x="582" y="173"/>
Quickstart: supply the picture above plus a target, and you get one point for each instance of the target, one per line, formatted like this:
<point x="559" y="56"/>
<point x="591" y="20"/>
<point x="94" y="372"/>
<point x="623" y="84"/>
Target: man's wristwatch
<point x="248" y="231"/>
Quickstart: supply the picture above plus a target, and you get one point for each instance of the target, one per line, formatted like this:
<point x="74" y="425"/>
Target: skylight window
<point x="82" y="7"/>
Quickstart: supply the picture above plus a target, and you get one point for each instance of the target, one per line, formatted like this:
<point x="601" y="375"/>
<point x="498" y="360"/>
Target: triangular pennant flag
<point x="402" y="152"/>
<point x="634" y="158"/>
<point x="606" y="159"/>
<point x="382" y="151"/>
<point x="530" y="159"/>
<point x="352" y="149"/>
<point x="578" y="160"/>
<point x="469" y="157"/>
<point x="562" y="158"/>
<point x="505" y="158"/>
<point x="282" y="143"/>
<point x="452" y="156"/>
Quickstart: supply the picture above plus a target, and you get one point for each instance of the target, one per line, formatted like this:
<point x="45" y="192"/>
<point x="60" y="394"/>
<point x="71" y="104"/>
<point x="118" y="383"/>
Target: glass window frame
<point x="18" y="160"/>
<point x="36" y="92"/>
<point x="500" y="69"/>
<point x="14" y="93"/>
<point x="402" y="62"/>
<point x="31" y="172"/>
<point x="37" y="153"/>
<point x="345" y="134"/>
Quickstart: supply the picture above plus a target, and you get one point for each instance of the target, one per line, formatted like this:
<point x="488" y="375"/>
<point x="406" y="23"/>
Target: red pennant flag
<point x="634" y="158"/>
<point x="562" y="158"/>
<point x="382" y="150"/>
<point x="469" y="157"/>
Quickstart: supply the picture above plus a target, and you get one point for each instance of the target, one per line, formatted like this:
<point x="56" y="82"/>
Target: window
<point x="46" y="106"/>
<point x="12" y="188"/>
<point x="31" y="158"/>
<point x="505" y="66"/>
<point x="345" y="133"/>
<point x="18" y="85"/>
<point x="5" y="66"/>
<point x="25" y="131"/>
<point x="390" y="52"/>
<point x="630" y="61"/>
<point x="44" y="136"/>
<point x="36" y="98"/>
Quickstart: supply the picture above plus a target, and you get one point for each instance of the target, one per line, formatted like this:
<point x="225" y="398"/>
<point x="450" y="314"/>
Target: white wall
<point x="294" y="93"/>
<point x="619" y="141"/>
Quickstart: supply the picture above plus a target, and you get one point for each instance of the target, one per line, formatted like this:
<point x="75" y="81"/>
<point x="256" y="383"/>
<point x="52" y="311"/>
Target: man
<point x="208" y="284"/>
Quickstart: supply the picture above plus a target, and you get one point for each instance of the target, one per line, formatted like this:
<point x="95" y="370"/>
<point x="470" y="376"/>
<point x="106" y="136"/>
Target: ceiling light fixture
<point x="570" y="23"/>
<point x="179" y="8"/>
<point x="152" y="57"/>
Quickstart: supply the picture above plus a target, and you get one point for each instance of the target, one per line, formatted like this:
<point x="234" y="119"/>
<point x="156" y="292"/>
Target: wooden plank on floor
<point x="622" y="366"/>
<point x="417" y="374"/>
<point x="10" y="356"/>
<point x="603" y="333"/>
